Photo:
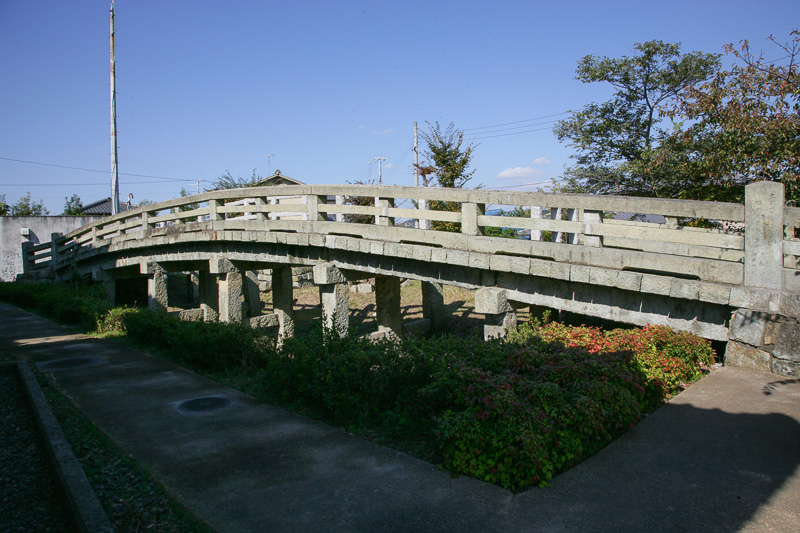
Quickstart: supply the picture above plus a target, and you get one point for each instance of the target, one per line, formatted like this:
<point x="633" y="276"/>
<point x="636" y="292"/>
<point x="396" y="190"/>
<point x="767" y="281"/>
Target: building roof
<point x="278" y="179"/>
<point x="103" y="207"/>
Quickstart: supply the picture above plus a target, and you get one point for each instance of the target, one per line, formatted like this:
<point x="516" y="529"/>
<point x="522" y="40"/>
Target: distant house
<point x="102" y="208"/>
<point x="279" y="179"/>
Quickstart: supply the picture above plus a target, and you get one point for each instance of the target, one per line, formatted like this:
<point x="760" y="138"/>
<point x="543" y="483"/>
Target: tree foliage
<point x="227" y="181"/>
<point x="449" y="159"/>
<point x="73" y="205"/>
<point x="25" y="206"/>
<point x="745" y="124"/>
<point x="619" y="140"/>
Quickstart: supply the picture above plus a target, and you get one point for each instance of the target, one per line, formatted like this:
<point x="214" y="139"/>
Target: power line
<point x="518" y="121"/>
<point x="507" y="134"/>
<point x="89" y="169"/>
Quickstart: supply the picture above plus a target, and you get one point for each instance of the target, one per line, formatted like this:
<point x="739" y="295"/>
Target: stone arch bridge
<point x="633" y="260"/>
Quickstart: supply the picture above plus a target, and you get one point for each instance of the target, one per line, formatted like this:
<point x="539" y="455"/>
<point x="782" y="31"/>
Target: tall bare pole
<point x="114" y="169"/>
<point x="379" y="160"/>
<point x="416" y="157"/>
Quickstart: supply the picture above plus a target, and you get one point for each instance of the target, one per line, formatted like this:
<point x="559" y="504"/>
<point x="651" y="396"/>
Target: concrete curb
<point x="82" y="505"/>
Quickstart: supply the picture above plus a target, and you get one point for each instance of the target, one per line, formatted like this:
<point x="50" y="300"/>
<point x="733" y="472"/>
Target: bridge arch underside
<point x="608" y="294"/>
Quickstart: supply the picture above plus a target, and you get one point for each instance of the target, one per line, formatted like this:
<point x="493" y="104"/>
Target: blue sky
<point x="208" y="87"/>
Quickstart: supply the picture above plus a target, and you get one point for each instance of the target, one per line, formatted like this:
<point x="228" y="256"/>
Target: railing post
<point x="423" y="223"/>
<point x="259" y="215"/>
<point x="54" y="237"/>
<point x="763" y="235"/>
<point x="339" y="201"/>
<point x="536" y="213"/>
<point x="555" y="214"/>
<point x="384" y="203"/>
<point x="590" y="218"/>
<point x="573" y="215"/>
<point x="313" y="203"/>
<point x="469" y="218"/>
<point x="212" y="210"/>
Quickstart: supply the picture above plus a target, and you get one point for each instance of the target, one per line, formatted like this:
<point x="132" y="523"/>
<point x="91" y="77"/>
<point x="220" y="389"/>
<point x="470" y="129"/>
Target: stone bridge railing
<point x="753" y="245"/>
<point x="745" y="258"/>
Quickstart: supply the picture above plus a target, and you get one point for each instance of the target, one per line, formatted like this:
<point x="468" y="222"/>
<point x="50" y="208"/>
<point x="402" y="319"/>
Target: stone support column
<point x="157" y="298"/>
<point x="230" y="286"/>
<point x="283" y="301"/>
<point x="387" y="300"/>
<point x="209" y="296"/>
<point x="433" y="305"/>
<point x="500" y="315"/>
<point x="335" y="298"/>
<point x="252" y="293"/>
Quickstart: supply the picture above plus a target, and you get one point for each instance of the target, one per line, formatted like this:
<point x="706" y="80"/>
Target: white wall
<point x="39" y="230"/>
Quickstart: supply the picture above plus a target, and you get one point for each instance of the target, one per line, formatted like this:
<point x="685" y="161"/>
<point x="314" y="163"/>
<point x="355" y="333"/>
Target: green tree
<point x="73" y="205"/>
<point x="618" y="141"/>
<point x="449" y="159"/>
<point x="744" y="125"/>
<point x="27" y="207"/>
<point x="227" y="181"/>
<point x="3" y="205"/>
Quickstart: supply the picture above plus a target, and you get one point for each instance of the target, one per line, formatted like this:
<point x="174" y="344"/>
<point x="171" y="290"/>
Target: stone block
<point x="745" y="356"/>
<point x="391" y="249"/>
<point x="656" y="284"/>
<point x="406" y="251"/>
<point x="629" y="281"/>
<point x="715" y="294"/>
<point x="787" y="341"/>
<point x="785" y="368"/>
<point x="376" y="247"/>
<point x="541" y="268"/>
<point x="264" y="321"/>
<point x="790" y="305"/>
<point x="492" y="301"/>
<point x="458" y="257"/>
<point x="480" y="261"/>
<point x="560" y="271"/>
<point x="747" y="326"/>
<point x="579" y="273"/>
<point x="520" y="265"/>
<point x="500" y="263"/>
<point x="684" y="288"/>
<point x="422" y="253"/>
<point x="191" y="315"/>
<point x="439" y="255"/>
<point x="327" y="273"/>
<point x="602" y="276"/>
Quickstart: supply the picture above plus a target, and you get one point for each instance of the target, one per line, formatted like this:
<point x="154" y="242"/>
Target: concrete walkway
<point x="722" y="456"/>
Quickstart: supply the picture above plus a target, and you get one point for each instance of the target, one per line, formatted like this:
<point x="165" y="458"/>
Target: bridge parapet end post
<point x="469" y="218"/>
<point x="763" y="235"/>
<point x="27" y="257"/>
<point x="54" y="240"/>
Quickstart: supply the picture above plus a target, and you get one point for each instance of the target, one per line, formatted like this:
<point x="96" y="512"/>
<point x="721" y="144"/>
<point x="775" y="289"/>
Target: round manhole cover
<point x="202" y="405"/>
<point x="71" y="363"/>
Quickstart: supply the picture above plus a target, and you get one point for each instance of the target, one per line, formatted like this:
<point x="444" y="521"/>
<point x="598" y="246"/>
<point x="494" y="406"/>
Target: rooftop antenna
<point x="269" y="160"/>
<point x="114" y="169"/>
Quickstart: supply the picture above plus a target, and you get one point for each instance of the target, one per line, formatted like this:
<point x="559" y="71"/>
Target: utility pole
<point x="114" y="167"/>
<point x="379" y="159"/>
<point x="198" y="184"/>
<point x="416" y="157"/>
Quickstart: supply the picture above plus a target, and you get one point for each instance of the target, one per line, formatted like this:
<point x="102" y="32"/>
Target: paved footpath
<point x="722" y="456"/>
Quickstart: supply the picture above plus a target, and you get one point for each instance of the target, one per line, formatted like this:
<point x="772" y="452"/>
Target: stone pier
<point x="334" y="296"/>
<point x="500" y="315"/>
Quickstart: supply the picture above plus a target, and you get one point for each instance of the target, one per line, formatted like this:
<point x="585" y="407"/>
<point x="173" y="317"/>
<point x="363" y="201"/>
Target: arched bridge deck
<point x="578" y="254"/>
